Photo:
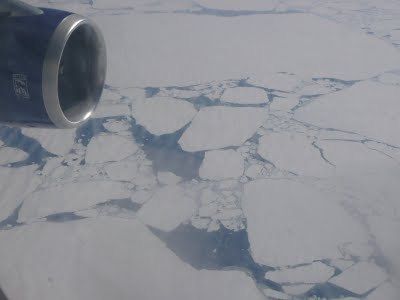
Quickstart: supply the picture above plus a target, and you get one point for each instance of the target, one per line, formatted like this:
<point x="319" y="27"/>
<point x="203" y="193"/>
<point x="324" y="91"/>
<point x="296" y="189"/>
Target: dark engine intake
<point x="52" y="66"/>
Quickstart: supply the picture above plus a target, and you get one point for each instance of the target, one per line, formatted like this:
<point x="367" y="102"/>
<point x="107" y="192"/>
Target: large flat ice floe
<point x="237" y="5"/>
<point x="10" y="155"/>
<point x="360" y="278"/>
<point x="162" y="115"/>
<point x="244" y="95"/>
<point x="368" y="108"/>
<point x="277" y="81"/>
<point x="168" y="208"/>
<point x="69" y="260"/>
<point x="221" y="164"/>
<point x="293" y="152"/>
<point x="385" y="291"/>
<point x="220" y="127"/>
<point x="107" y="148"/>
<point x="15" y="184"/>
<point x="290" y="223"/>
<point x="313" y="273"/>
<point x="70" y="197"/>
<point x="56" y="141"/>
<point x="126" y="170"/>
<point x="308" y="44"/>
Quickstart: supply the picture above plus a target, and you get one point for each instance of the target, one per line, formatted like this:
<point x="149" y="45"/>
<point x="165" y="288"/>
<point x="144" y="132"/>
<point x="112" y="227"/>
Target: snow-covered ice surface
<point x="313" y="273"/>
<point x="163" y="115"/>
<point x="360" y="278"/>
<point x="241" y="150"/>
<point x="221" y="164"/>
<point x="219" y="127"/>
<point x="244" y="95"/>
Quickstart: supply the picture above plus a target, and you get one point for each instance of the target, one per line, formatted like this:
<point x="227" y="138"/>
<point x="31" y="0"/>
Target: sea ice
<point x="290" y="223"/>
<point x="126" y="170"/>
<point x="272" y="294"/>
<point x="314" y="273"/>
<point x="368" y="108"/>
<point x="293" y="152"/>
<point x="284" y="104"/>
<point x="341" y="264"/>
<point x="56" y="141"/>
<point x="219" y="127"/>
<point x="104" y="110"/>
<point x="162" y="115"/>
<point x="360" y="278"/>
<point x="168" y="208"/>
<point x="107" y="148"/>
<point x="15" y="184"/>
<point x="10" y="155"/>
<point x="117" y="126"/>
<point x="238" y="5"/>
<point x="70" y="197"/>
<point x="297" y="289"/>
<point x="244" y="95"/>
<point x="221" y="164"/>
<point x="385" y="291"/>
<point x="310" y="48"/>
<point x="277" y="81"/>
<point x="168" y="178"/>
<point x="45" y="261"/>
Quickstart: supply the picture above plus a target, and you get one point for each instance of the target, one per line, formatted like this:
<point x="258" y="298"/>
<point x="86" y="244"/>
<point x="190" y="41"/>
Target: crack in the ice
<point x="322" y="154"/>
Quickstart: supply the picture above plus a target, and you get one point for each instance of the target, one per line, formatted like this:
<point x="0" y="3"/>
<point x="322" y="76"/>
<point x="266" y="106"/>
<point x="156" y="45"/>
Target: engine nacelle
<point x="52" y="66"/>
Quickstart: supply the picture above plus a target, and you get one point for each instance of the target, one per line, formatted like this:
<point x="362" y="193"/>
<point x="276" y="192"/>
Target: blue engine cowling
<point x="52" y="67"/>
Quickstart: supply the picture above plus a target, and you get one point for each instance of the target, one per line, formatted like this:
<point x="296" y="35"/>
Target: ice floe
<point x="360" y="278"/>
<point x="138" y="173"/>
<point x="284" y="104"/>
<point x="105" y="109"/>
<point x="310" y="48"/>
<point x="297" y="289"/>
<point x="390" y="78"/>
<point x="255" y="171"/>
<point x="277" y="81"/>
<point x="244" y="95"/>
<point x="10" y="155"/>
<point x="168" y="178"/>
<point x="56" y="141"/>
<point x="237" y="5"/>
<point x="221" y="164"/>
<point x="107" y="148"/>
<point x="117" y="126"/>
<point x="126" y="170"/>
<point x="314" y="273"/>
<point x="141" y="196"/>
<point x="167" y="208"/>
<point x="162" y="115"/>
<point x="272" y="294"/>
<point x="71" y="259"/>
<point x="341" y="264"/>
<point x="220" y="209"/>
<point x="355" y="110"/>
<point x="15" y="184"/>
<point x="69" y="197"/>
<point x="366" y="161"/>
<point x="219" y="127"/>
<point x="295" y="217"/>
<point x="293" y="152"/>
<point x="385" y="291"/>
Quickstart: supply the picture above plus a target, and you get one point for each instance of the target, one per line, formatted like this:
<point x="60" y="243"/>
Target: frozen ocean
<point x="242" y="149"/>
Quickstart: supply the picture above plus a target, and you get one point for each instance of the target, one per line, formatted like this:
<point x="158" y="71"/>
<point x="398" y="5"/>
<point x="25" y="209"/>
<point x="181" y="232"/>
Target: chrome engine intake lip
<point x="74" y="71"/>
